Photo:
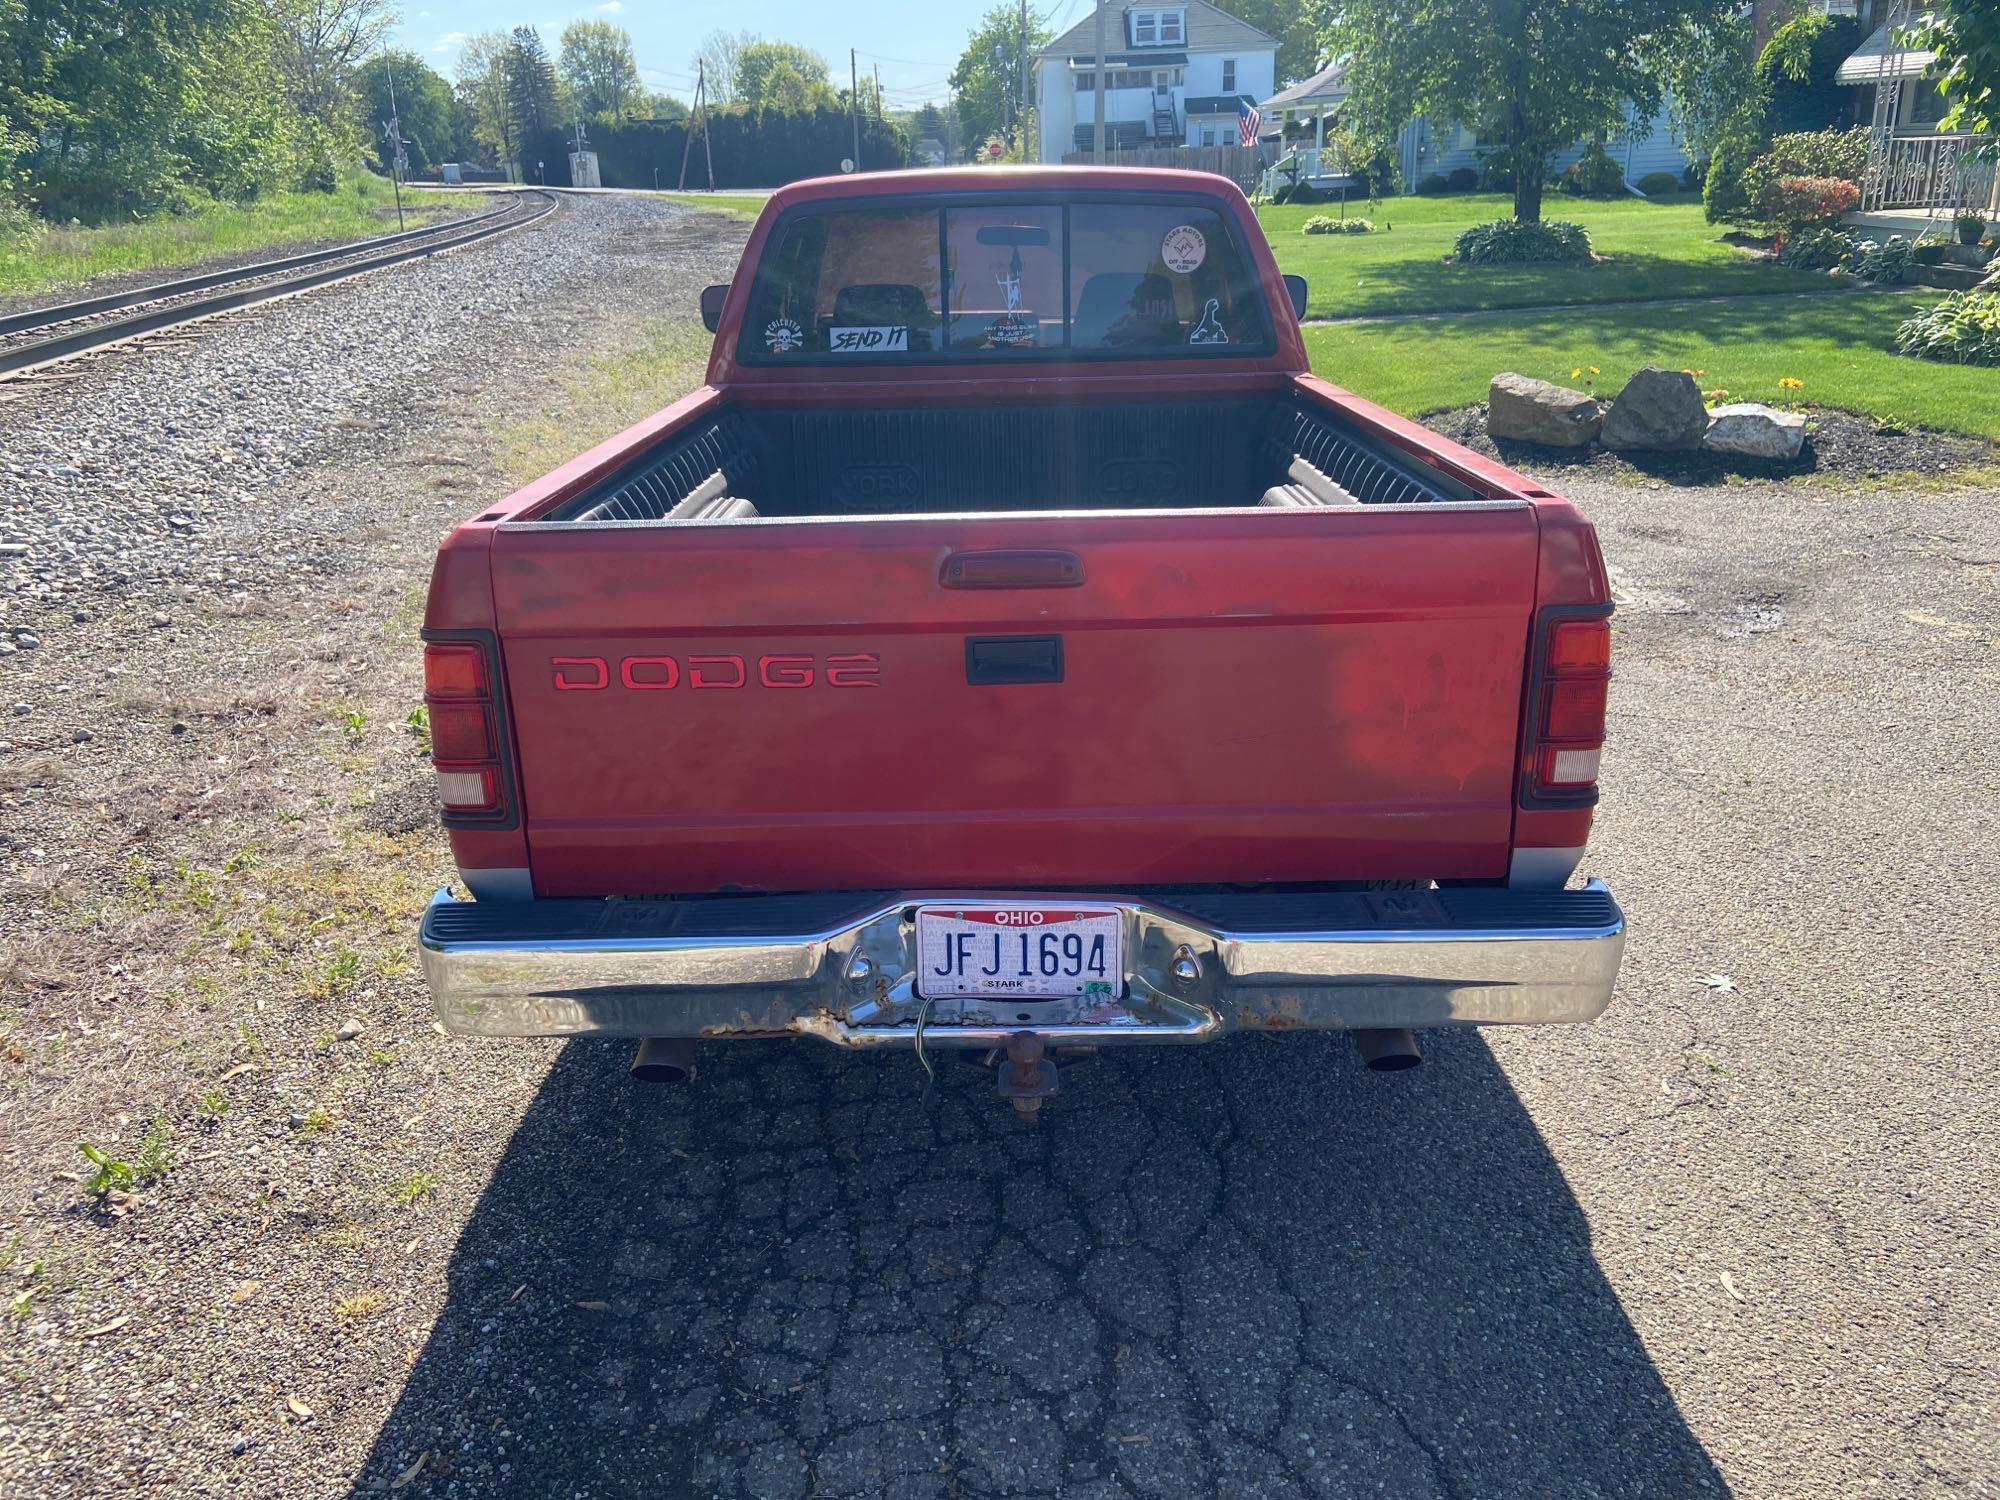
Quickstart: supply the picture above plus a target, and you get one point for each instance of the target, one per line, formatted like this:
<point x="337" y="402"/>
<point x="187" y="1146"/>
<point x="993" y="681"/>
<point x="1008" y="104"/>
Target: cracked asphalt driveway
<point x="1250" y="1270"/>
<point x="1735" y="1237"/>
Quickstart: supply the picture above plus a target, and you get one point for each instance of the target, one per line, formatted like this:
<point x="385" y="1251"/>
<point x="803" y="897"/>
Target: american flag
<point x="1247" y="121"/>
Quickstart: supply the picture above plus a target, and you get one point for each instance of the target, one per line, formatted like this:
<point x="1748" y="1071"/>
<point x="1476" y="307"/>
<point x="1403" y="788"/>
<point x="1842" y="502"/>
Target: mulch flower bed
<point x="1838" y="442"/>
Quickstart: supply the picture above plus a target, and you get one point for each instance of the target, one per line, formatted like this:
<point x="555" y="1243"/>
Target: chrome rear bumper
<point x="840" y="966"/>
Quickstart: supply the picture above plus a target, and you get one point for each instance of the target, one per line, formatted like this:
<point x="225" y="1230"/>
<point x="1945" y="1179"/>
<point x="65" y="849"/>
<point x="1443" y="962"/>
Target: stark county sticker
<point x="1183" y="249"/>
<point x="783" y="335"/>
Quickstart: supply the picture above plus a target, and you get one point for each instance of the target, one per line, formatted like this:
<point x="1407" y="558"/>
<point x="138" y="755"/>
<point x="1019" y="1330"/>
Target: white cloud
<point x="612" y="7"/>
<point x="449" y="41"/>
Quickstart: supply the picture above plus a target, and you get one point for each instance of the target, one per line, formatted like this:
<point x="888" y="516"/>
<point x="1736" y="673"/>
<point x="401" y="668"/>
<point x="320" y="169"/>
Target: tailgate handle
<point x="1012" y="568"/>
<point x="996" y="660"/>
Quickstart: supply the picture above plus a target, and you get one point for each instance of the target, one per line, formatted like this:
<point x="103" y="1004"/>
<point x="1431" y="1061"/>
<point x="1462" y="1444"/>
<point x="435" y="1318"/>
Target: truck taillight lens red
<point x="1570" y="699"/>
<point x="454" y="670"/>
<point x="465" y="738"/>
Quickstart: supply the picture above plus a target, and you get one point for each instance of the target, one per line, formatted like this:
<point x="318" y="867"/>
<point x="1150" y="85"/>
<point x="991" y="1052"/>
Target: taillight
<point x="465" y="739"/>
<point x="1568" y="706"/>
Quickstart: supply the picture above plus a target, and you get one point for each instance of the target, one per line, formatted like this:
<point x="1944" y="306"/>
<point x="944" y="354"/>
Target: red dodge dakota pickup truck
<point x="1013" y="646"/>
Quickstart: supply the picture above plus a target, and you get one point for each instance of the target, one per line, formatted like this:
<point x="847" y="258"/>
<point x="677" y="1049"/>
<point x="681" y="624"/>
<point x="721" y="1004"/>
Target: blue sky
<point x="917" y="42"/>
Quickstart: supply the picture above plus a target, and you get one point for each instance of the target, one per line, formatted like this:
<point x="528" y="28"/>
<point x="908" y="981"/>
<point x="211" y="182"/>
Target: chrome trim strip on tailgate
<point x="840" y="966"/>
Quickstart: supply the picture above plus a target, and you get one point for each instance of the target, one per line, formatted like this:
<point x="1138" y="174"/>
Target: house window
<point x="1157" y="28"/>
<point x="1085" y="82"/>
<point x="1229" y="75"/>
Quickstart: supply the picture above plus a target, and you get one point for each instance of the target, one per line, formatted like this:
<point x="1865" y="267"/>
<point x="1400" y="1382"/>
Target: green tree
<point x="422" y="101"/>
<point x="599" y="70"/>
<point x="530" y="80"/>
<point x="758" y="66"/>
<point x="1965" y="36"/>
<point x="1538" y="74"/>
<point x="716" y="58"/>
<point x="322" y="43"/>
<point x="987" y="80"/>
<point x="482" y="94"/>
<point x="113" y="107"/>
<point x="1296" y="26"/>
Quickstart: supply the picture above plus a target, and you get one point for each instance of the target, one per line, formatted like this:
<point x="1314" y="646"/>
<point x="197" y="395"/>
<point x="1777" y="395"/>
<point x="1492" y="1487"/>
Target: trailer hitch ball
<point x="1186" y="968"/>
<point x="1027" y="1077"/>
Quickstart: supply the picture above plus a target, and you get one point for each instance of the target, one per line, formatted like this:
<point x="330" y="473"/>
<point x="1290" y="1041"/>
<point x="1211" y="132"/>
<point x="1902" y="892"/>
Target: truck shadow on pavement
<point x="1248" y="1270"/>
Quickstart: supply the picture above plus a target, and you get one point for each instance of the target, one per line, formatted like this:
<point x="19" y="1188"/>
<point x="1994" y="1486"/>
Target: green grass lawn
<point x="363" y="205"/>
<point x="1841" y="346"/>
<point x="1653" y="250"/>
<point x="743" y="205"/>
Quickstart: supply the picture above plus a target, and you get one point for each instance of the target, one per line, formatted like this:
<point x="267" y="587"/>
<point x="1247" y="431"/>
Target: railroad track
<point x="31" y="341"/>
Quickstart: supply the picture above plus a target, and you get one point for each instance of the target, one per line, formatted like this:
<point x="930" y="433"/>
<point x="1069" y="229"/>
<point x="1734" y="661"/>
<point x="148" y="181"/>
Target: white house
<point x="1174" y="75"/>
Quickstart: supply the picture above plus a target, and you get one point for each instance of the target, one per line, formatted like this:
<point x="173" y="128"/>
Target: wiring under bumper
<point x="841" y="966"/>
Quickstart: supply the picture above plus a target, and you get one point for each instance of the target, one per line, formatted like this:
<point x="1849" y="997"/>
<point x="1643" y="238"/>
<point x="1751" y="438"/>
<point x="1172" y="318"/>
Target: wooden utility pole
<point x="854" y="105"/>
<point x="878" y="93"/>
<point x="697" y="118"/>
<point x="1097" y="91"/>
<point x="1021" y="85"/>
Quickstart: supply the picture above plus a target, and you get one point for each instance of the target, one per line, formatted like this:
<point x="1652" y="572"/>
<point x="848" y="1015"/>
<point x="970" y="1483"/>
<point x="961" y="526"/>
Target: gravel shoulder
<point x="1733" y="1238"/>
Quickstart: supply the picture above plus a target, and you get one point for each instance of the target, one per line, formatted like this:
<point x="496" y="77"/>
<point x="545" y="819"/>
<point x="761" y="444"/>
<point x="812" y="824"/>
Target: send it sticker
<point x="868" y="340"/>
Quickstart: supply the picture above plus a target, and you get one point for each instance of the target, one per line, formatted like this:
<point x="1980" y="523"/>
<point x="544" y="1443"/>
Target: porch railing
<point x="1935" y="172"/>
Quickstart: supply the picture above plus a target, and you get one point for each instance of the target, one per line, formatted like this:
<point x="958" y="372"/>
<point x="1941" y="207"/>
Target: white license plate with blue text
<point x="1026" y="952"/>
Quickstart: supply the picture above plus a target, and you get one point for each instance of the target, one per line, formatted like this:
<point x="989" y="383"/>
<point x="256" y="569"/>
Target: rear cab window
<point x="993" y="280"/>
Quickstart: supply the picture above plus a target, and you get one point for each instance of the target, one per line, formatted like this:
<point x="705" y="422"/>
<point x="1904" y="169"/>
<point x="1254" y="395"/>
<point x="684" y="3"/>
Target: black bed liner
<point x="847" y="461"/>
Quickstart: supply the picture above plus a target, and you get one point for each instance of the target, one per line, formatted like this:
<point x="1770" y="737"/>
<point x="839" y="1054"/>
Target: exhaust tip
<point x="1388" y="1051"/>
<point x="664" y="1059"/>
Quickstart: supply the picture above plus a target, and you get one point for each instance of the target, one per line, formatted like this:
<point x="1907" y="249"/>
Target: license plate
<point x="1028" y="952"/>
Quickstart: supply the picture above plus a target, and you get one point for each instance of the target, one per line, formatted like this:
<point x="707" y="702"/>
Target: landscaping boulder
<point x="1534" y="411"/>
<point x="1657" y="409"/>
<point x="1756" y="431"/>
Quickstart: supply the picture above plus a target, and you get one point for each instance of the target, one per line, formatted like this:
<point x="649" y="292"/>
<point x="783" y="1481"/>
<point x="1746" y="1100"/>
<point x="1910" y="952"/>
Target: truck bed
<point x="742" y="463"/>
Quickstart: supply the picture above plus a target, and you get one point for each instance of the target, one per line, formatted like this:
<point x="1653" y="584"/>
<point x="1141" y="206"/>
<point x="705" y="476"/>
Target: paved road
<point x="1736" y="1238"/>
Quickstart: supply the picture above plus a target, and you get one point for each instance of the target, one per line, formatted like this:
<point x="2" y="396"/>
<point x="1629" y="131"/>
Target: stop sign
<point x="995" y="150"/>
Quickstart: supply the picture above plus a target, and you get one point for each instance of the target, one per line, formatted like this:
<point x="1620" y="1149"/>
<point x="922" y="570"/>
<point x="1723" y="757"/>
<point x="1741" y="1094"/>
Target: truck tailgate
<point x="1243" y="696"/>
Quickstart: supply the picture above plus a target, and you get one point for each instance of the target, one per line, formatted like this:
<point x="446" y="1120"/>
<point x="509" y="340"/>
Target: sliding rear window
<point x="1002" y="283"/>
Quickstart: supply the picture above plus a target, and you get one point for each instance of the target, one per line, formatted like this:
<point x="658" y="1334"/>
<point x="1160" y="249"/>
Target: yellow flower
<point x="1790" y="383"/>
<point x="1696" y="373"/>
<point x="1576" y="373"/>
<point x="1718" y="395"/>
<point x="1595" y="371"/>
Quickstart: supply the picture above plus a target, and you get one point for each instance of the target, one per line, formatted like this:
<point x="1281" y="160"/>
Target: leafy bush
<point x="1594" y="174"/>
<point x="1433" y="183"/>
<point x="1810" y="200"/>
<point x="1510" y="242"/>
<point x="1462" y="179"/>
<point x="1724" y="198"/>
<point x="1886" y="262"/>
<point x="1816" y="249"/>
<point x="1964" y="329"/>
<point x="1324" y="224"/>
<point x="1745" y="192"/>
<point x="1655" y="183"/>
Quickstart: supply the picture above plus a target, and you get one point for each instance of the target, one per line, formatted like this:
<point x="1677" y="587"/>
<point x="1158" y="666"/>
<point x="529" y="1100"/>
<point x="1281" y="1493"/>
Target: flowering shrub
<point x="1325" y="224"/>
<point x="1810" y="200"/>
<point x="1509" y="241"/>
<point x="1964" y="329"/>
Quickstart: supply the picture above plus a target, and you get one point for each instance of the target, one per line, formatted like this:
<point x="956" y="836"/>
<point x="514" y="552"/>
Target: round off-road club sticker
<point x="783" y="336"/>
<point x="1183" y="249"/>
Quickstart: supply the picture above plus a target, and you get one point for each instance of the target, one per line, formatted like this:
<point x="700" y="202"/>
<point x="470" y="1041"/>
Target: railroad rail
<point x="170" y="303"/>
